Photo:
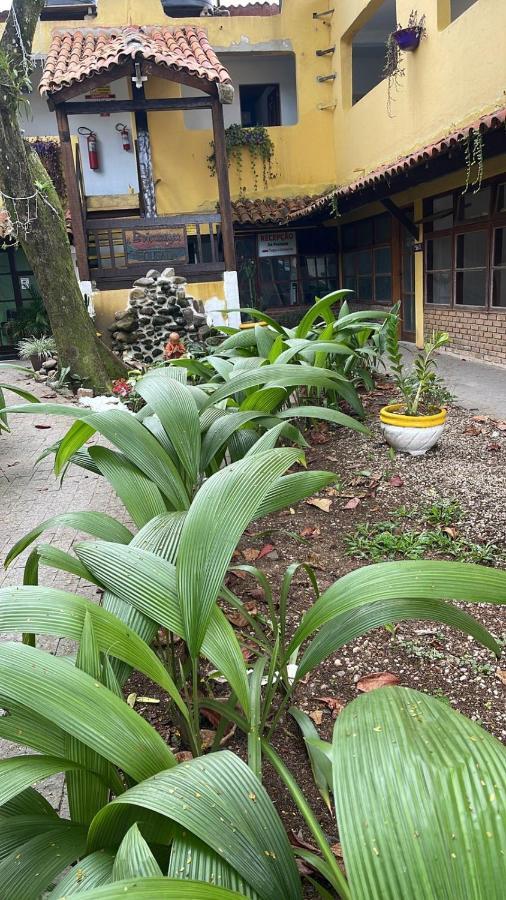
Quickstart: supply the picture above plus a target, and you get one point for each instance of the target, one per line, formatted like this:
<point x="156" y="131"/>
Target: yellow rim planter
<point x="390" y="415"/>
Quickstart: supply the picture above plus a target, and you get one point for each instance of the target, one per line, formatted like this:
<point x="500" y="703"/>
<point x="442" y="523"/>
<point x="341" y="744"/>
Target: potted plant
<point x="398" y="42"/>
<point x="408" y="38"/>
<point x="37" y="349"/>
<point x="416" y="423"/>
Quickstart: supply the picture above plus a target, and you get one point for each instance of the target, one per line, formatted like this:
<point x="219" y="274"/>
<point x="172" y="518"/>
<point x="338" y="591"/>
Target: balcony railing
<point x="123" y="249"/>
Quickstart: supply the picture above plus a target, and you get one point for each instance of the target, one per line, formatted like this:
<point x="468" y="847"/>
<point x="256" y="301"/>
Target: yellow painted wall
<point x="457" y="74"/>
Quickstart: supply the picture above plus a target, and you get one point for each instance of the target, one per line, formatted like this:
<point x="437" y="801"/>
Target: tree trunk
<point x="45" y="242"/>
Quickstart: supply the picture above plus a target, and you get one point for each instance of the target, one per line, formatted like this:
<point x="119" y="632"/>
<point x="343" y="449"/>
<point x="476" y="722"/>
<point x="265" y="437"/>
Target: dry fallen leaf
<point x="324" y="505"/>
<point x="472" y="429"/>
<point x="494" y="447"/>
<point x="315" y="561"/>
<point x="337" y="850"/>
<point x="250" y="554"/>
<point x="396" y="481"/>
<point x="481" y="418"/>
<point x="377" y="680"/>
<point x="236" y="619"/>
<point x="451" y="532"/>
<point x="501" y="674"/>
<point x="131" y="700"/>
<point x="310" y="532"/>
<point x="147" y="700"/>
<point x="316" y="716"/>
<point x="335" y="705"/>
<point x="352" y="504"/>
<point x="183" y="756"/>
<point x="501" y="426"/>
<point x="266" y="549"/>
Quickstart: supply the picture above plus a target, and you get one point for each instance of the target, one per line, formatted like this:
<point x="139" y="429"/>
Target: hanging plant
<point x="401" y="41"/>
<point x="257" y="143"/>
<point x="49" y="153"/>
<point x="473" y="152"/>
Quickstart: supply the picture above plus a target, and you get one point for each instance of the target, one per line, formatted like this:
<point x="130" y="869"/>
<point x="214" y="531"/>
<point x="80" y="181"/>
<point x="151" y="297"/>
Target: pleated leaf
<point x="161" y="889"/>
<point x="191" y="859"/>
<point x="141" y="497"/>
<point x="82" y="707"/>
<point x="409" y="579"/>
<point x="347" y="626"/>
<point x="220" y="432"/>
<point x="88" y="873"/>
<point x="45" y="610"/>
<point x="289" y="489"/>
<point x="25" y="726"/>
<point x="134" y="858"/>
<point x="219" y="800"/>
<point x="321" y="773"/>
<point x="47" y="555"/>
<point x="17" y="773"/>
<point x="320" y="309"/>
<point x="71" y="443"/>
<point x="175" y="407"/>
<point x="17" y="830"/>
<point x="98" y="524"/>
<point x="323" y="413"/>
<point x="419" y="792"/>
<point x="30" y="869"/>
<point x="219" y="514"/>
<point x="279" y="376"/>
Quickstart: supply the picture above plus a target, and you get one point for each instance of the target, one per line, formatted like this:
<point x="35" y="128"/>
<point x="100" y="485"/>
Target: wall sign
<point x="103" y="92"/>
<point x="155" y="245"/>
<point x="277" y="243"/>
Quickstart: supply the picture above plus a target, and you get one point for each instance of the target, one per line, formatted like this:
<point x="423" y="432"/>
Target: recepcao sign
<point x="277" y="243"/>
<point x="155" y="245"/>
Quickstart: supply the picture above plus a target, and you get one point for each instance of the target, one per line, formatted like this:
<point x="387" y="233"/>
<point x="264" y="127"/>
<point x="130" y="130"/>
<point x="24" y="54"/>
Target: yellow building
<point x="393" y="186"/>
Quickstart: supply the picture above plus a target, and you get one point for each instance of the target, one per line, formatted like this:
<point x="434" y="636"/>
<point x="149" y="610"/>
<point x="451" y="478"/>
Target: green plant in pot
<point x="37" y="349"/>
<point x="416" y="423"/>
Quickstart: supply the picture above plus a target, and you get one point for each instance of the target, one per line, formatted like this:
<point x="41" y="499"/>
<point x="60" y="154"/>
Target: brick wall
<point x="481" y="334"/>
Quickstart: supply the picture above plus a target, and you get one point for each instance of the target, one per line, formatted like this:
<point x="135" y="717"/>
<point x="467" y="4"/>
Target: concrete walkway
<point x="30" y="494"/>
<point x="478" y="386"/>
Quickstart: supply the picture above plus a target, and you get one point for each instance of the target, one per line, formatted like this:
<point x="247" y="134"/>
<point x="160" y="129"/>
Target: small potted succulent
<point x="416" y="423"/>
<point x="37" y="350"/>
<point x="408" y="38"/>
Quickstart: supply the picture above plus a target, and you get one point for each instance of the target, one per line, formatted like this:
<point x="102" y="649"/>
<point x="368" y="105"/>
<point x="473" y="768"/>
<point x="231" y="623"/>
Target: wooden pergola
<point x="63" y="81"/>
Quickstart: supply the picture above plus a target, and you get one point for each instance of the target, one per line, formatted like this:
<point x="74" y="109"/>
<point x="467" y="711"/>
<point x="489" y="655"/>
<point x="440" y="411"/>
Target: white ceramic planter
<point x="411" y="434"/>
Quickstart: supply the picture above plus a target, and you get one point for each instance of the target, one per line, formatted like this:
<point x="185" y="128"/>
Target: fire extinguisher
<point x="125" y="137"/>
<point x="91" y="140"/>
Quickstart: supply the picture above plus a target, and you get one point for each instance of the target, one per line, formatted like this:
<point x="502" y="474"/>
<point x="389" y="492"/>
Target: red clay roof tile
<point x="76" y="55"/>
<point x="268" y="211"/>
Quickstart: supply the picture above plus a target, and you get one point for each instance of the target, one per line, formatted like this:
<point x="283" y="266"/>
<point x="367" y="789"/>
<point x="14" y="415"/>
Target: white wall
<point x="118" y="169"/>
<point x="251" y="68"/>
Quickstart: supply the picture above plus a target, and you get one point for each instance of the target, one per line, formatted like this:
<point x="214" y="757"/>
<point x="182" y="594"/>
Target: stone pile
<point x="157" y="306"/>
<point x="48" y="369"/>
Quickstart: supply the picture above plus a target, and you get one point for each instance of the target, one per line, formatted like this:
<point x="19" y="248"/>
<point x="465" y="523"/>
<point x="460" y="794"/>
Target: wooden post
<point x="74" y="200"/>
<point x="220" y="151"/>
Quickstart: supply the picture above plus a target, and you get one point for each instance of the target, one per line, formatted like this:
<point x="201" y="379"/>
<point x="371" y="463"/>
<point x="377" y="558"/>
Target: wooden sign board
<point x="145" y="245"/>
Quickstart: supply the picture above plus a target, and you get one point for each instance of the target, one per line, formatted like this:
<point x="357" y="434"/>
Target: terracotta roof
<point x="76" y="55"/>
<point x="255" y="9"/>
<point x="383" y="174"/>
<point x="258" y="212"/>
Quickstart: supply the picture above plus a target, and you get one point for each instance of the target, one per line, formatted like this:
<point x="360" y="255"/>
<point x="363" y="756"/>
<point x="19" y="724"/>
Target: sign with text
<point x="144" y="245"/>
<point x="277" y="243"/>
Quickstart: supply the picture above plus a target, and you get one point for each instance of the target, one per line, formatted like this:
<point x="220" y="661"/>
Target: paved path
<point x="31" y="493"/>
<point x="478" y="386"/>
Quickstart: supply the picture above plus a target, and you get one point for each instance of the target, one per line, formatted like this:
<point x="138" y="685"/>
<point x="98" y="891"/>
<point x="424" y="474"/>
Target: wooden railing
<point x="123" y="249"/>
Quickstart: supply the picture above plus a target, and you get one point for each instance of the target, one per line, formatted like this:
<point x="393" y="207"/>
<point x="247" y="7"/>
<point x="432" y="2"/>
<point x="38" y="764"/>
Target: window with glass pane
<point x="501" y="198"/>
<point x="319" y="276"/>
<point x="439" y="263"/>
<point x="439" y="211"/>
<point x="475" y="206"/>
<point x="367" y="267"/>
<point x="471" y="269"/>
<point x="278" y="282"/>
<point x="499" y="268"/>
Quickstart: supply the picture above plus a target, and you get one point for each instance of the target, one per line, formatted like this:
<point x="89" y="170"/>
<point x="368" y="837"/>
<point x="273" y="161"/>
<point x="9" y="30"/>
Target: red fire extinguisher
<point x="91" y="140"/>
<point x="125" y="136"/>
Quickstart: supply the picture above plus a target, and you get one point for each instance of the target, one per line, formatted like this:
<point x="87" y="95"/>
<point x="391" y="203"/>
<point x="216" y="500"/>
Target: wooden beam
<point x="124" y="221"/>
<point x="101" y="107"/>
<point x="220" y="152"/>
<point x="88" y="84"/>
<point x="174" y="75"/>
<point x="74" y="200"/>
<point x="401" y="217"/>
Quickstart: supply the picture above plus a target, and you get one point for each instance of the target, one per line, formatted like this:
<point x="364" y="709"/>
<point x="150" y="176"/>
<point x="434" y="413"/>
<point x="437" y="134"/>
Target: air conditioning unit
<point x="187" y="8"/>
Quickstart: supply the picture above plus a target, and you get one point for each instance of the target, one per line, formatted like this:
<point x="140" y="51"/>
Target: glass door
<point x="18" y="299"/>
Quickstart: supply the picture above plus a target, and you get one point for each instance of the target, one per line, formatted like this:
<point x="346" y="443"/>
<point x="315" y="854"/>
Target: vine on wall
<point x="473" y="152"/>
<point x="257" y="143"/>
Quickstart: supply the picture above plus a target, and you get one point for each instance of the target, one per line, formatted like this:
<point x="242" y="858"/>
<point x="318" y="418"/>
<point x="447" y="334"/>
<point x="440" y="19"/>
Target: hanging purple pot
<point x="407" y="38"/>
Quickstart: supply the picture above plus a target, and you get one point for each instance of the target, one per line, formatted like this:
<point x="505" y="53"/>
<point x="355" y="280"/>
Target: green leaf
<point x="325" y="414"/>
<point x="320" y="309"/>
<point x="408" y="579"/>
<point x="90" y="872"/>
<point x="27" y="803"/>
<point x="24" y="726"/>
<point x="419" y="797"/>
<point x="29" y="870"/>
<point x="71" y="442"/>
<point x="219" y="800"/>
<point x="17" y="773"/>
<point x="220" y="432"/>
<point x="134" y="858"/>
<point x="289" y="375"/>
<point x="289" y="489"/>
<point x="47" y="555"/>
<point x="161" y="889"/>
<point x="83" y="708"/>
<point x="193" y="860"/>
<point x="265" y="399"/>
<point x="353" y="623"/>
<point x="220" y="512"/>
<point x="254" y="743"/>
<point x="17" y="830"/>
<point x="44" y="610"/>
<point x="322" y="770"/>
<point x="175" y="407"/>
<point x="141" y="497"/>
<point x="98" y="524"/>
